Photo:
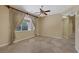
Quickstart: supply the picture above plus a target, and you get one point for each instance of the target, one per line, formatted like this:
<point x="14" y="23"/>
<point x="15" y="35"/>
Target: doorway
<point x="69" y="27"/>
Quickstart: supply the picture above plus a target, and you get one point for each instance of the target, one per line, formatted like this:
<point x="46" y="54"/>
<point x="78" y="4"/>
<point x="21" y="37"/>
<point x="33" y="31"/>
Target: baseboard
<point x="58" y="37"/>
<point x="5" y="44"/>
<point x="52" y="37"/>
<point x="77" y="49"/>
<point x="21" y="39"/>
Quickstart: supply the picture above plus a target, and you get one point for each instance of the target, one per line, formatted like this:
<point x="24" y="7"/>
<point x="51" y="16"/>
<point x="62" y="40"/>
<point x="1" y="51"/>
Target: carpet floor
<point x="41" y="45"/>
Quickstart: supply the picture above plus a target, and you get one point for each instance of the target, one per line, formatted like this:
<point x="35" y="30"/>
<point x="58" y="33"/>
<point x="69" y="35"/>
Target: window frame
<point x="21" y="26"/>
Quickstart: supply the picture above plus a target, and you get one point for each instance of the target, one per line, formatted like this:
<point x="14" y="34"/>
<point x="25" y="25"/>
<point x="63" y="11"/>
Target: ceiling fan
<point x="44" y="12"/>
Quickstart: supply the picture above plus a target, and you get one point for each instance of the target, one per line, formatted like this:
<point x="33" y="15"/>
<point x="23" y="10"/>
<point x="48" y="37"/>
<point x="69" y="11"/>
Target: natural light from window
<point x="25" y="25"/>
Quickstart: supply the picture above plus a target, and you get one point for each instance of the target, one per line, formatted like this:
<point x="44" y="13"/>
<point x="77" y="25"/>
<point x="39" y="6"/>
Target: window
<point x="26" y="25"/>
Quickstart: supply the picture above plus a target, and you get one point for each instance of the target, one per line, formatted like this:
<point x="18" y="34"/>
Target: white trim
<point x="21" y="40"/>
<point x="77" y="49"/>
<point x="7" y="43"/>
<point x="4" y="44"/>
<point x="53" y="37"/>
<point x="25" y="31"/>
<point x="58" y="37"/>
<point x="18" y="40"/>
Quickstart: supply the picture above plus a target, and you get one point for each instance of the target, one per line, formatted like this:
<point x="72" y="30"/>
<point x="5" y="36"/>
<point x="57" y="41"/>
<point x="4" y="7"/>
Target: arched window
<point x="25" y="25"/>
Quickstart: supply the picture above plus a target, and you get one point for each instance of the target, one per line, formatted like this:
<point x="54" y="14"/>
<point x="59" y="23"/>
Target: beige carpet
<point x="41" y="45"/>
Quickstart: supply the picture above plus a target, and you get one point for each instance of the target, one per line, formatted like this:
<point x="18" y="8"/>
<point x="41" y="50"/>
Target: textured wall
<point x="4" y="25"/>
<point x="77" y="33"/>
<point x="52" y="26"/>
<point x="5" y="28"/>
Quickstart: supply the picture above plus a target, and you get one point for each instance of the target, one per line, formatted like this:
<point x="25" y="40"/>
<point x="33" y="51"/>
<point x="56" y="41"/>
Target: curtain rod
<point x="21" y="11"/>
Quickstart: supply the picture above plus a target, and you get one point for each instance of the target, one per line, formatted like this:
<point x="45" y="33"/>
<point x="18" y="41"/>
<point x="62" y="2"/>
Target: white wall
<point x="24" y="35"/>
<point x="4" y="25"/>
<point x="5" y="29"/>
<point x="77" y="33"/>
<point x="52" y="26"/>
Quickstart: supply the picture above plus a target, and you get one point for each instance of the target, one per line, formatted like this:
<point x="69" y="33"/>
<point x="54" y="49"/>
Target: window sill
<point x="25" y="31"/>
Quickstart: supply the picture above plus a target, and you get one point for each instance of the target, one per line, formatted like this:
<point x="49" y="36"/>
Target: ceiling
<point x="34" y="9"/>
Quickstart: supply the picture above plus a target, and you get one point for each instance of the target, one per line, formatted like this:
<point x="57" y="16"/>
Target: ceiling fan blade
<point x="47" y="11"/>
<point x="43" y="11"/>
